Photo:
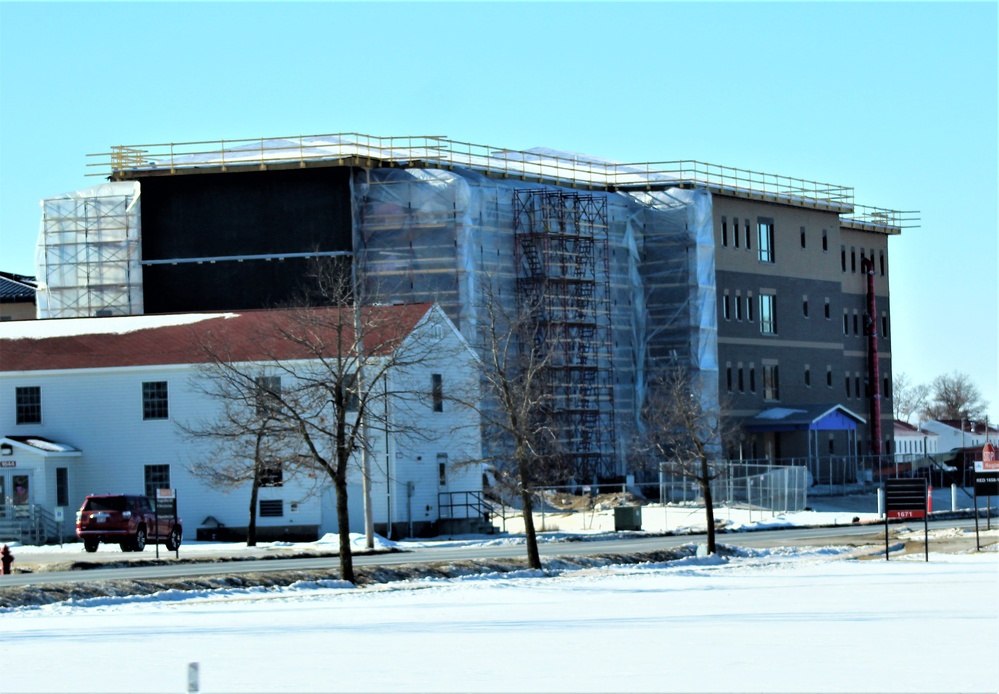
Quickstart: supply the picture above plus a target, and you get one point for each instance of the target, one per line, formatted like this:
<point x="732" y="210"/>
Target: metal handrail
<point x="423" y="150"/>
<point x="473" y="501"/>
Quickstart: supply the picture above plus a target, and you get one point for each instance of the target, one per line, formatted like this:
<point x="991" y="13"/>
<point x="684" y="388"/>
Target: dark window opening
<point x="735" y="232"/>
<point x="724" y="232"/>
<point x="437" y="391"/>
<point x="765" y="235"/>
<point x="156" y="477"/>
<point x="28" y="404"/>
<point x="62" y="486"/>
<point x="271" y="508"/>
<point x="803" y="242"/>
<point x="272" y="474"/>
<point x="155" y="400"/>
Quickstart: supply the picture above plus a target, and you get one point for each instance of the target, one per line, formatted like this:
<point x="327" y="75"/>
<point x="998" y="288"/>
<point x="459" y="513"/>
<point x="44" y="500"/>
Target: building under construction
<point x="627" y="262"/>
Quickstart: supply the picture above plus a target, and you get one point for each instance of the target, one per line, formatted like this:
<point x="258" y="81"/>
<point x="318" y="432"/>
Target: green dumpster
<point x="627" y="518"/>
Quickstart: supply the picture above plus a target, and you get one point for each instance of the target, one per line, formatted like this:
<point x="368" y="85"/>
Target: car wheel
<point x="139" y="541"/>
<point x="126" y="546"/>
<point x="173" y="539"/>
<point x="91" y="545"/>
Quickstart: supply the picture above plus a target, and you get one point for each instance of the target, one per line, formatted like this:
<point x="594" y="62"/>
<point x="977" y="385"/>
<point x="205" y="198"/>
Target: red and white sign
<point x="988" y="462"/>
<point x="906" y="514"/>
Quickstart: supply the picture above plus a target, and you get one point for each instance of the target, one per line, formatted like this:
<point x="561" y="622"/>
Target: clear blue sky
<point x="897" y="100"/>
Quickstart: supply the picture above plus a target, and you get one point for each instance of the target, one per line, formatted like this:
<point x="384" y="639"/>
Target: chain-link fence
<point x="769" y="486"/>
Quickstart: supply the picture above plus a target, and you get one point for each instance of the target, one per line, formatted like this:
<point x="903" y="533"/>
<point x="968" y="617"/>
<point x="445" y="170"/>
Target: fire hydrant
<point x="6" y="559"/>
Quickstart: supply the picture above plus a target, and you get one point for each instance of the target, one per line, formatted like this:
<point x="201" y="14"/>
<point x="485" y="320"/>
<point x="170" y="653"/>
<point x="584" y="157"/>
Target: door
<point x="15" y="493"/>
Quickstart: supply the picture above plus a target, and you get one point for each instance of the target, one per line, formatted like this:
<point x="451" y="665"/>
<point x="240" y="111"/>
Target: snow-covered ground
<point x="831" y="619"/>
<point x="781" y="620"/>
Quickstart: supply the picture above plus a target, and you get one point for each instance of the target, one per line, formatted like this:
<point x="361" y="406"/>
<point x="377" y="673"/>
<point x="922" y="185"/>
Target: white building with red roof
<point x="77" y="418"/>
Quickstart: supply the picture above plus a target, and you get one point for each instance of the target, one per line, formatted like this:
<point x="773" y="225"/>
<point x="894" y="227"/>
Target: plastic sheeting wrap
<point x="431" y="234"/>
<point x="88" y="253"/>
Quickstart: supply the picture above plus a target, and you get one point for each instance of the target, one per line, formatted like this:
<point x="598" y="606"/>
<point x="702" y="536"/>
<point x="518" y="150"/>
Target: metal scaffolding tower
<point x="563" y="273"/>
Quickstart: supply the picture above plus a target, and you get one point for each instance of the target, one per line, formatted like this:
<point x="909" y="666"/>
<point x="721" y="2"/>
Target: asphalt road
<point x="628" y="544"/>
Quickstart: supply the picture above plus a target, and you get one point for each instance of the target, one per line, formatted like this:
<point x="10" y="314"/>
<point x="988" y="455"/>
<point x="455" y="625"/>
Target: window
<point x="268" y="392"/>
<point x="770" y="386"/>
<point x="856" y="385"/>
<point x="804" y="306"/>
<point x="749" y="306"/>
<point x="442" y="469"/>
<point x="726" y="306"/>
<point x="825" y="241"/>
<point x="846" y="322"/>
<point x="752" y="378"/>
<point x="856" y="323"/>
<point x="29" y="404"/>
<point x="157" y="477"/>
<point x="853" y="260"/>
<point x="765" y="234"/>
<point x="882" y="258"/>
<point x="842" y="257"/>
<point x="829" y="376"/>
<point x="271" y="508"/>
<point x="272" y="474"/>
<point x="62" y="486"/>
<point x="351" y="393"/>
<point x="437" y="391"/>
<point x="803" y="243"/>
<point x="847" y="382"/>
<point x="155" y="400"/>
<point x="886" y="387"/>
<point x="724" y="232"/>
<point x="808" y="376"/>
<point x="742" y="383"/>
<point x="768" y="314"/>
<point x="738" y="306"/>
<point x="735" y="232"/>
<point x="728" y="377"/>
<point x="884" y="324"/>
<point x="827" y="310"/>
<point x="749" y="246"/>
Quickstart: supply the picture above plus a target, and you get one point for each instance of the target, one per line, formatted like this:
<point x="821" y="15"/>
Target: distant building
<point x="960" y="433"/>
<point x="914" y="440"/>
<point x="92" y="405"/>
<point x="772" y="291"/>
<point x="17" y="297"/>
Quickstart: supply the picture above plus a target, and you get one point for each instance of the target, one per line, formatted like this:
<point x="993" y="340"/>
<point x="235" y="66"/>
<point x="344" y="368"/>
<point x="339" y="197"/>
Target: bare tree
<point x="330" y="365"/>
<point x="685" y="434"/>
<point x="517" y="406"/>
<point x="248" y="441"/>
<point x="907" y="398"/>
<point x="954" y="396"/>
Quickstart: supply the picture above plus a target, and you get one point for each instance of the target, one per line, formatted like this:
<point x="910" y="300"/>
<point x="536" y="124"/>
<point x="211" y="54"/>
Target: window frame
<point x="437" y="392"/>
<point x="765" y="240"/>
<point x="771" y="382"/>
<point x="28" y="405"/>
<point x="768" y="314"/>
<point x="155" y="401"/>
<point x="155" y="475"/>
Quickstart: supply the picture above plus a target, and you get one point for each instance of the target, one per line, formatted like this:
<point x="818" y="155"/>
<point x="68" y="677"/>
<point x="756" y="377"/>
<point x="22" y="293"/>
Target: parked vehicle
<point x="130" y="521"/>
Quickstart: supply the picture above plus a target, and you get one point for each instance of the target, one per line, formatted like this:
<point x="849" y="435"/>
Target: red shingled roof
<point x="248" y="335"/>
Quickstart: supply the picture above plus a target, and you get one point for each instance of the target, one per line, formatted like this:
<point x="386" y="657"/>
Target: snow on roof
<point x="42" y="444"/>
<point x="111" y="325"/>
<point x="92" y="343"/>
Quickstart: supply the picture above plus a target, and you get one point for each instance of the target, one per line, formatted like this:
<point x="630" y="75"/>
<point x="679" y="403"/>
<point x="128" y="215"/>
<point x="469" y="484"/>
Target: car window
<point x="105" y="503"/>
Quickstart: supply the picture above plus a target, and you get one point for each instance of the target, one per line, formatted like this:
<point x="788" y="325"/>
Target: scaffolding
<point x="89" y="253"/>
<point x="562" y="258"/>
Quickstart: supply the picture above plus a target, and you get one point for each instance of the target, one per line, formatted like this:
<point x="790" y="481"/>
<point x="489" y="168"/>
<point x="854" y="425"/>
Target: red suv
<point x="130" y="521"/>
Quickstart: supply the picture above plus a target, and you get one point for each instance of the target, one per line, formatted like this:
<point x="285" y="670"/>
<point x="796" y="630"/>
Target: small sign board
<point x="988" y="463"/>
<point x="166" y="502"/>
<point x="8" y="463"/>
<point x="987" y="483"/>
<point x="907" y="498"/>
